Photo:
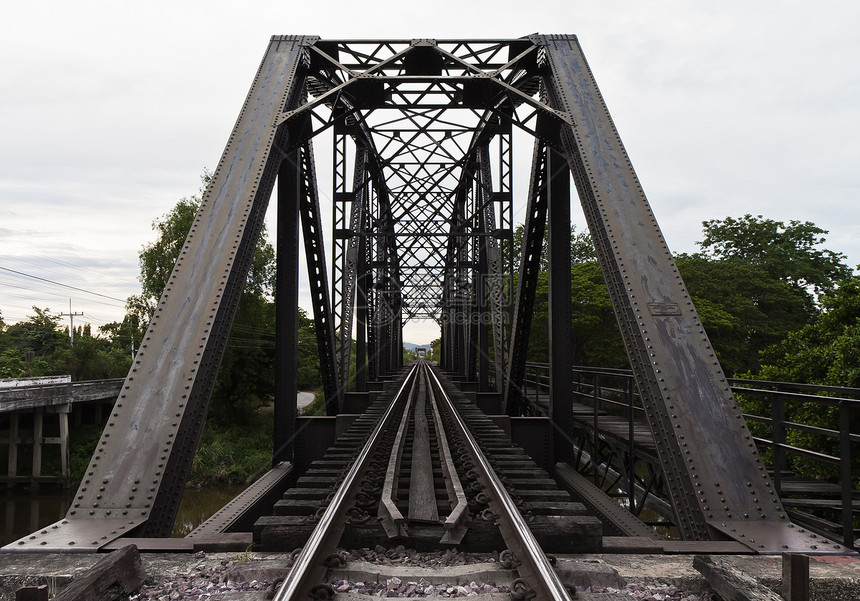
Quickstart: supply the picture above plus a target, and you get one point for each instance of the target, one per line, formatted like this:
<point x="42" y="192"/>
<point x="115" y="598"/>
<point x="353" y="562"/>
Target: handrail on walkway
<point x="772" y="411"/>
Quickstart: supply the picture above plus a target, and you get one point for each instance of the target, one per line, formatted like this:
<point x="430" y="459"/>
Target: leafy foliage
<point x="232" y="455"/>
<point x="581" y="248"/>
<point x="787" y="252"/>
<point x="826" y="351"/>
<point x="38" y="347"/>
<point x="309" y="377"/>
<point x="754" y="283"/>
<point x="743" y="308"/>
<point x="595" y="337"/>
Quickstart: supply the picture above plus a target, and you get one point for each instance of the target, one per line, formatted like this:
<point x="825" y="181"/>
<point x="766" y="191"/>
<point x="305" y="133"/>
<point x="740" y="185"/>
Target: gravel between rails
<point x="245" y="578"/>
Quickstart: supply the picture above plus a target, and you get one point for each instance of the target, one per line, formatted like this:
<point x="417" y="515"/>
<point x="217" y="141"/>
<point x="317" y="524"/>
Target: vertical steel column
<point x="460" y="287"/>
<point x="503" y="240"/>
<point x="493" y="270"/>
<point x="342" y="201"/>
<point x="474" y="279"/>
<point x="560" y="379"/>
<point x="286" y="301"/>
<point x="450" y="291"/>
<point x="482" y="285"/>
<point x="352" y="234"/>
<point x="381" y="309"/>
<point x="370" y="293"/>
<point x="361" y="367"/>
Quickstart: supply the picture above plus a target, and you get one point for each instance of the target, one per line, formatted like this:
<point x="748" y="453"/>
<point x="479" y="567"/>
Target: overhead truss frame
<point x="423" y="229"/>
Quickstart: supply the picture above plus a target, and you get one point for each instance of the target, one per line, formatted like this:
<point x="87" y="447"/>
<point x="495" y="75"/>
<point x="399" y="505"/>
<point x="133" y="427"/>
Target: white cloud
<point x="111" y="111"/>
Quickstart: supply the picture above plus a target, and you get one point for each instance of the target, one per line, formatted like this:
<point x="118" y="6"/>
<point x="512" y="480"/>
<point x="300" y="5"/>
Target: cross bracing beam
<point x="529" y="268"/>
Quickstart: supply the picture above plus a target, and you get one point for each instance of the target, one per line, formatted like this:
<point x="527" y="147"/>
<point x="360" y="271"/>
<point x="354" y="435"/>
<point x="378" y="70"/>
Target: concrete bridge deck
<point x="26" y="407"/>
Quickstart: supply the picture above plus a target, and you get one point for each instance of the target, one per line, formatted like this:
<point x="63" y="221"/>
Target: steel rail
<point x="308" y="569"/>
<point x="535" y="568"/>
<point x="454" y="524"/>
<point x="392" y="519"/>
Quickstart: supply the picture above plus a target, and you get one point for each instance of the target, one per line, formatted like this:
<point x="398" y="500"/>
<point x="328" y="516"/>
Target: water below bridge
<point x="24" y="511"/>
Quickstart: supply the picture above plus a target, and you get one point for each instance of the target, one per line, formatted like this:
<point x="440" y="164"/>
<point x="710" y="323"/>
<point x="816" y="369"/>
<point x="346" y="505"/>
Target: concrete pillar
<point x="38" y="422"/>
<point x="13" y="445"/>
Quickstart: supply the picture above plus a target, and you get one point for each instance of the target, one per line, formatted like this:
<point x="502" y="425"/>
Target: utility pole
<point x="71" y="316"/>
<point x="133" y="330"/>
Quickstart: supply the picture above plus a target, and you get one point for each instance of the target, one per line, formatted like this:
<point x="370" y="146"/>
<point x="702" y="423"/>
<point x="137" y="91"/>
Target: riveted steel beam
<point x="558" y="280"/>
<point x="286" y="299"/>
<point x="718" y="483"/>
<point x="138" y="471"/>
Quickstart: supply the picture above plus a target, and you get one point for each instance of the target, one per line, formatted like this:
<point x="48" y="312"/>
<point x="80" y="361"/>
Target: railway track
<point x="426" y="469"/>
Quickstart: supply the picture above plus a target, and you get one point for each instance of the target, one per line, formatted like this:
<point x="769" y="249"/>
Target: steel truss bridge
<point x="422" y="205"/>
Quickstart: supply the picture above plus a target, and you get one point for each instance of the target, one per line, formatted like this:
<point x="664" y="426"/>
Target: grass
<point x="235" y="454"/>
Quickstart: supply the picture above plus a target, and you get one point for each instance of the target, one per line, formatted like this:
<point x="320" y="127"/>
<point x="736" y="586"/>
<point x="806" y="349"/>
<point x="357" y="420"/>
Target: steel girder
<point x="559" y="314"/>
<point x="347" y="245"/>
<point x="719" y="485"/>
<point x="286" y="300"/>
<point x="139" y="468"/>
<point x="492" y="271"/>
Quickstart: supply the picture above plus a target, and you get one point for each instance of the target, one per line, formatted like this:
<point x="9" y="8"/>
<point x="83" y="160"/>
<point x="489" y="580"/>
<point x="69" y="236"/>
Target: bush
<point x="233" y="454"/>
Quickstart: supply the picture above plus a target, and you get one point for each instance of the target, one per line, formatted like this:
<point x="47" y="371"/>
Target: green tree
<point x="38" y="347"/>
<point x="595" y="336"/>
<point x="158" y="257"/>
<point x="826" y="351"/>
<point x="309" y="377"/>
<point x="581" y="248"/>
<point x="125" y="336"/>
<point x="789" y="252"/>
<point x="436" y="349"/>
<point x="752" y="287"/>
<point x="39" y="334"/>
<point x="743" y="307"/>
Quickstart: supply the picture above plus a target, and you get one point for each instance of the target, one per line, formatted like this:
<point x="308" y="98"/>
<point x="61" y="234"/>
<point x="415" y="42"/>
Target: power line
<point x="45" y="296"/>
<point x="35" y="277"/>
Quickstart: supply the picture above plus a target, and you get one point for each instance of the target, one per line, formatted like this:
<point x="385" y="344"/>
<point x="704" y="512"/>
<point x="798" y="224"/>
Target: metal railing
<point x="613" y="391"/>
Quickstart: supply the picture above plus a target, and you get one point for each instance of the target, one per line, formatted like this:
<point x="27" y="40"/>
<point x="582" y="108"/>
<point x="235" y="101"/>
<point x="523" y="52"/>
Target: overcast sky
<point x="111" y="110"/>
